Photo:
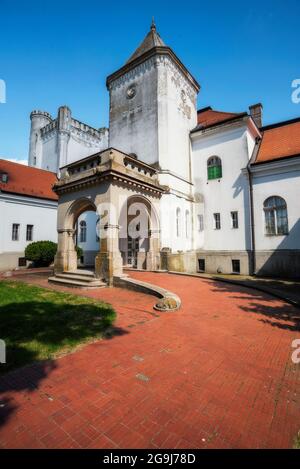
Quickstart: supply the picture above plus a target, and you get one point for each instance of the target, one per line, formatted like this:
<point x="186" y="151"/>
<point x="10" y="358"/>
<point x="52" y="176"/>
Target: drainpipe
<point x="252" y="228"/>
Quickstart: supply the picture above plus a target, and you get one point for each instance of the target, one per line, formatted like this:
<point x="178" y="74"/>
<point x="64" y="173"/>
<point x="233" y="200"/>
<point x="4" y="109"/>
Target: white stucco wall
<point x="26" y="211"/>
<point x="224" y="195"/>
<point x="48" y="153"/>
<point x="169" y="204"/>
<point x="155" y="123"/>
<point x="133" y="122"/>
<point x="280" y="178"/>
<point x="91" y="244"/>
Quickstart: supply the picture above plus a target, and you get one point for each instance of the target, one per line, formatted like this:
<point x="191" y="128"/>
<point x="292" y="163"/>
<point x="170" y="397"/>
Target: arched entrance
<point x="139" y="234"/>
<point x="72" y="233"/>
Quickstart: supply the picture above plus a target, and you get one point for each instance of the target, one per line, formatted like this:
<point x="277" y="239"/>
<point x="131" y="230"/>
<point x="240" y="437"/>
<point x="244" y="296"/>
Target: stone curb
<point x="149" y="288"/>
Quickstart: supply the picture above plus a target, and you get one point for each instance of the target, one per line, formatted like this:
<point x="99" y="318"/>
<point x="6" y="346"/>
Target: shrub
<point x="41" y="252"/>
<point x="79" y="252"/>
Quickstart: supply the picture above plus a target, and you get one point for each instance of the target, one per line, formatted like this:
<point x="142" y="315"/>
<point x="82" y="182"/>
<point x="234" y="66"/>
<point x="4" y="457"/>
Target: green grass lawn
<point x="39" y="324"/>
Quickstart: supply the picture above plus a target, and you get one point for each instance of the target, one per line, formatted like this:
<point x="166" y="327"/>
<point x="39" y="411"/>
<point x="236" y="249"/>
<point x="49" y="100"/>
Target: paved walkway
<point x="215" y="374"/>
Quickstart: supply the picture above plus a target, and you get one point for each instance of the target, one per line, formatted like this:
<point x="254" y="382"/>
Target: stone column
<point x="66" y="256"/>
<point x="141" y="258"/>
<point x="164" y="256"/>
<point x="153" y="255"/>
<point x="108" y="262"/>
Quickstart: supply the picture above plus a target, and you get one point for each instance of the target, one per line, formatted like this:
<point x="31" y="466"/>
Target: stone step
<point x="81" y="272"/>
<point x="77" y="283"/>
<point x="72" y="276"/>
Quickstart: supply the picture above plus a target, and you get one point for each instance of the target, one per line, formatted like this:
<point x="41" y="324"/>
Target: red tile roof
<point x="208" y="117"/>
<point x="25" y="180"/>
<point x="280" y="141"/>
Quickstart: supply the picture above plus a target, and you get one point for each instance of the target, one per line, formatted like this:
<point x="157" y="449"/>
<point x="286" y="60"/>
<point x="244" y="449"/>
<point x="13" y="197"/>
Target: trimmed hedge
<point x="42" y="252"/>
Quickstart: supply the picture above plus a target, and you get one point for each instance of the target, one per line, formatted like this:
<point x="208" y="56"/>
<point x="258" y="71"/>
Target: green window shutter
<point x="214" y="172"/>
<point x="218" y="171"/>
<point x="210" y="172"/>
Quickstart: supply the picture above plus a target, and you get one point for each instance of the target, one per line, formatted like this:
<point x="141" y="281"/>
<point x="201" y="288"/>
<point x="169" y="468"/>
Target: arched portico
<point x="123" y="192"/>
<point x="66" y="256"/>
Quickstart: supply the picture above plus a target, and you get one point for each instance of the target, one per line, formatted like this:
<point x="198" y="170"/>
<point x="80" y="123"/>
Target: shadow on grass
<point x="37" y="325"/>
<point x="283" y="316"/>
<point x="37" y="330"/>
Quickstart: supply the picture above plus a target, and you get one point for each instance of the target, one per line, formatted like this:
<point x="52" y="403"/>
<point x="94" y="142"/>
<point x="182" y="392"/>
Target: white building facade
<point x="28" y="211"/>
<point x="215" y="170"/>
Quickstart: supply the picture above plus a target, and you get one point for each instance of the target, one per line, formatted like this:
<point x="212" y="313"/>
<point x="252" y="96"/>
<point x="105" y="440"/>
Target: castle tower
<point x="153" y="106"/>
<point x="39" y="119"/>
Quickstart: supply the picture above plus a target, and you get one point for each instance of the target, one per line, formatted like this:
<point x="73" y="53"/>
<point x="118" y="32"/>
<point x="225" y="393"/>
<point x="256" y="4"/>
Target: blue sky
<point x="60" y="52"/>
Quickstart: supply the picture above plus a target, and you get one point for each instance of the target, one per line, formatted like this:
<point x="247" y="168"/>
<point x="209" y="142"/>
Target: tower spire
<point x="153" y="25"/>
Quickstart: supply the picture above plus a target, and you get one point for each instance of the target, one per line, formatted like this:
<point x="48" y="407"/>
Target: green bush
<point x="79" y="252"/>
<point x="41" y="252"/>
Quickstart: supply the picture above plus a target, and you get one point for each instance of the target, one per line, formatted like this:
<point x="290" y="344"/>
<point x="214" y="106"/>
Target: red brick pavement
<point x="215" y="374"/>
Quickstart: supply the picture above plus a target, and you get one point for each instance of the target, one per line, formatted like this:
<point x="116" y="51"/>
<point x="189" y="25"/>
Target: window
<point x="22" y="262"/>
<point x="178" y="222"/>
<point x="276" y="218"/>
<point x="29" y="233"/>
<point x="15" y="232"/>
<point x="234" y="220"/>
<point x="4" y="178"/>
<point x="217" y="218"/>
<point x="187" y="223"/>
<point x="82" y="232"/>
<point x="214" y="168"/>
<point x="200" y="223"/>
<point x="236" y="268"/>
<point x="201" y="265"/>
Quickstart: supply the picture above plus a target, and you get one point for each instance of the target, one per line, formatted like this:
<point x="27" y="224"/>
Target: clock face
<point x="131" y="91"/>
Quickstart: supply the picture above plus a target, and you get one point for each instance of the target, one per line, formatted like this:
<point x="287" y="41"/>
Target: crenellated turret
<point x="39" y="119"/>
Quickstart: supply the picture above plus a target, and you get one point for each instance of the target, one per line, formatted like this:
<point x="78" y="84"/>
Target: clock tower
<point x="153" y="106"/>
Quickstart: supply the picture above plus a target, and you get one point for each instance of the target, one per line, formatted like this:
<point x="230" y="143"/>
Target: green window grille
<point x="214" y="168"/>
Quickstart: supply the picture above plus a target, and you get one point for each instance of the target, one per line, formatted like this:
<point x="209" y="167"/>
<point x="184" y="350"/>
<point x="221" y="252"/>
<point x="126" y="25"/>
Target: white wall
<point x="281" y="179"/>
<point x="229" y="193"/>
<point x="155" y="123"/>
<point x="26" y="211"/>
<point x="169" y="204"/>
<point x="133" y="122"/>
<point x="91" y="244"/>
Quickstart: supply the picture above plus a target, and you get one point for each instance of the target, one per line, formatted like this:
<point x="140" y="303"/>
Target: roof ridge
<point x="209" y="108"/>
<point x="281" y="124"/>
<point x="27" y="166"/>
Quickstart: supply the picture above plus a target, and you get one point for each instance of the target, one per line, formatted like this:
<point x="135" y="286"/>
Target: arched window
<point x="187" y="223"/>
<point x="82" y="232"/>
<point x="178" y="222"/>
<point x="276" y="218"/>
<point x="214" y="167"/>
